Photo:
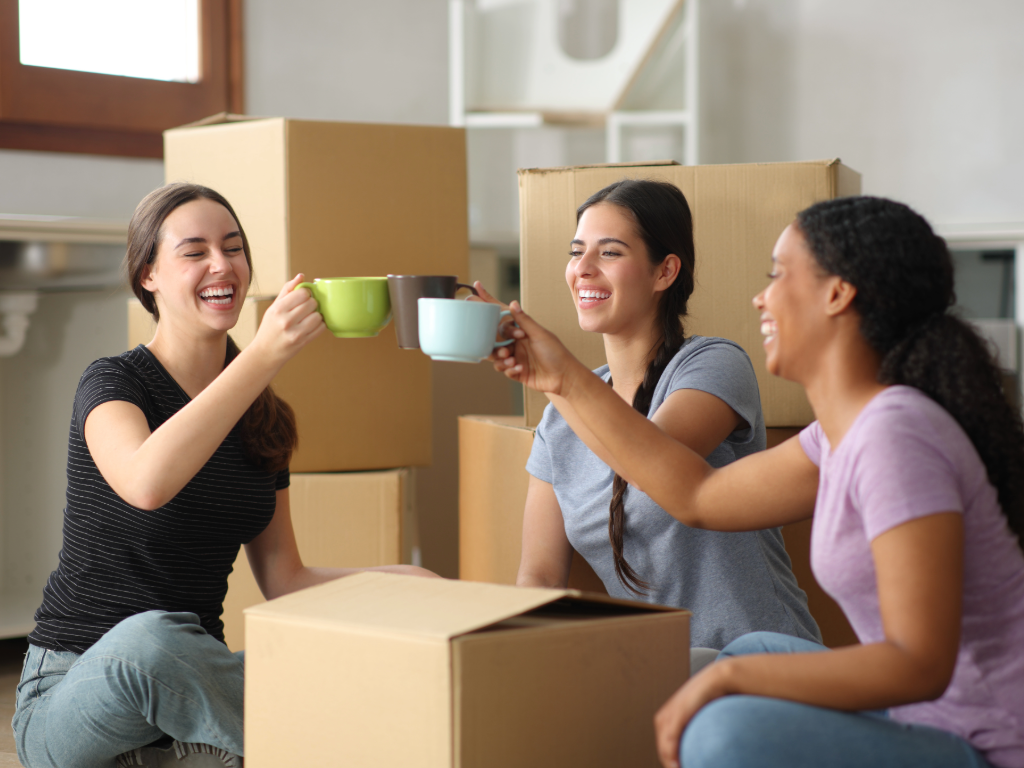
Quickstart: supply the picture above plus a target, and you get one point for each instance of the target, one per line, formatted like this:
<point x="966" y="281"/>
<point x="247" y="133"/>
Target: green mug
<point x="352" y="307"/>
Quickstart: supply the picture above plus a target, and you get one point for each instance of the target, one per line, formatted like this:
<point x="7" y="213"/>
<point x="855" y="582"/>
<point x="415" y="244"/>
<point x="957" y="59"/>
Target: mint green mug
<point x="352" y="307"/>
<point x="459" y="331"/>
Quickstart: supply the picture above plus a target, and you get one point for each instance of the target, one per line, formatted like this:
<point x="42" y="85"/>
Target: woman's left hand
<point x="676" y="713"/>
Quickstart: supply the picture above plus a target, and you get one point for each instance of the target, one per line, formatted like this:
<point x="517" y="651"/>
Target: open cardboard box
<point x="382" y="670"/>
<point x="739" y="211"/>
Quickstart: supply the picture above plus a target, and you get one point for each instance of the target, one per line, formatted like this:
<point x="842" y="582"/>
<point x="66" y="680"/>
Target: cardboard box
<point x="739" y="211"/>
<point x="492" y="496"/>
<point x="452" y="674"/>
<point x="334" y="199"/>
<point x="345" y="520"/>
<point x="359" y="403"/>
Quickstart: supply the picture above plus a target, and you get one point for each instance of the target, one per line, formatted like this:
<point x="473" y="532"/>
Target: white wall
<point x="381" y="61"/>
<point x="924" y="97"/>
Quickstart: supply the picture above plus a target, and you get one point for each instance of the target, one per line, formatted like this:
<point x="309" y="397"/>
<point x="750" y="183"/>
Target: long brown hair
<point x="663" y="221"/>
<point x="267" y="428"/>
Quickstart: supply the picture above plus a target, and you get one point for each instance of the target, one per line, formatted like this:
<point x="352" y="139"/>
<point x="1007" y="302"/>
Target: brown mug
<point x="406" y="290"/>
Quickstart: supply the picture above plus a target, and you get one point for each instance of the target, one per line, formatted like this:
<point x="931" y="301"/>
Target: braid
<point x="673" y="340"/>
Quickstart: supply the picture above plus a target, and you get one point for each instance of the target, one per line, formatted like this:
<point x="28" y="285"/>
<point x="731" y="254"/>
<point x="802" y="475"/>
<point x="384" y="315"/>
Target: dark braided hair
<point x="903" y="274"/>
<point x="663" y="221"/>
<point x="267" y="428"/>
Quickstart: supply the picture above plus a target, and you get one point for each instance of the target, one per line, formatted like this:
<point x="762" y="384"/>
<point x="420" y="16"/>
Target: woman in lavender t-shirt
<point x="914" y="473"/>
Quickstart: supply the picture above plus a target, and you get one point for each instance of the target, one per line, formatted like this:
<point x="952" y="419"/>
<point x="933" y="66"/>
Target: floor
<point x="12" y="652"/>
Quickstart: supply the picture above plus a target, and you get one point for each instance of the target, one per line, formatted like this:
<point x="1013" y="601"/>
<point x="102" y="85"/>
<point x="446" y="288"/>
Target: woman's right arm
<point x="763" y="490"/>
<point x="547" y="553"/>
<point x="149" y="469"/>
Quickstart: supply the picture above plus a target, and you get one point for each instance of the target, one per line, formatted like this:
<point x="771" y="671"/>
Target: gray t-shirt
<point x="733" y="583"/>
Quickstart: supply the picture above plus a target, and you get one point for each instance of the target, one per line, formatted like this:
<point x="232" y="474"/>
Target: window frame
<point x="85" y="112"/>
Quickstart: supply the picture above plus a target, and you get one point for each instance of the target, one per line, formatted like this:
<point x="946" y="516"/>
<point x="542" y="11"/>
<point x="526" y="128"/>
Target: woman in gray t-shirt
<point x="630" y="273"/>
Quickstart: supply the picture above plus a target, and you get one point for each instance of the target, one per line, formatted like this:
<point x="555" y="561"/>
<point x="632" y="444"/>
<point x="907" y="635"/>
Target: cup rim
<point x="400" y="277"/>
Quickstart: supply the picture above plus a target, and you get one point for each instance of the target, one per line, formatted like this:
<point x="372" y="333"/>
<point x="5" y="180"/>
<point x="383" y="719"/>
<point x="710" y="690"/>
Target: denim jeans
<point x="155" y="674"/>
<point x="771" y="733"/>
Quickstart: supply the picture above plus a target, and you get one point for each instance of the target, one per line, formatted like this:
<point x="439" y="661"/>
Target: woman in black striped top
<point x="178" y="454"/>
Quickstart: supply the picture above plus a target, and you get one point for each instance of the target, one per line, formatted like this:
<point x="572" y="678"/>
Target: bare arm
<point x="919" y="573"/>
<point x="547" y="553"/>
<point x="275" y="561"/>
<point x="763" y="490"/>
<point x="149" y="469"/>
<point x="697" y="419"/>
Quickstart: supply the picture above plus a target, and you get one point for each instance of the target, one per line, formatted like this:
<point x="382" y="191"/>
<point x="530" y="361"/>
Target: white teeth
<point x="594" y="294"/>
<point x="767" y="328"/>
<point x="211" y="294"/>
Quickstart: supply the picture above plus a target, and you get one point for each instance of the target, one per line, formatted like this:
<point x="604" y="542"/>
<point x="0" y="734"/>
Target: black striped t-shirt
<point x="118" y="560"/>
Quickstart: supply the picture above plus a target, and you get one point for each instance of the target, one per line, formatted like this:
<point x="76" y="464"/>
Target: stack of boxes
<point x="333" y="200"/>
<point x="738" y="213"/>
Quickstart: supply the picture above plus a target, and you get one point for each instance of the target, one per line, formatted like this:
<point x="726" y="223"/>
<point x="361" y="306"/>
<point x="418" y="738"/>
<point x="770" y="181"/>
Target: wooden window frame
<point x="67" y="111"/>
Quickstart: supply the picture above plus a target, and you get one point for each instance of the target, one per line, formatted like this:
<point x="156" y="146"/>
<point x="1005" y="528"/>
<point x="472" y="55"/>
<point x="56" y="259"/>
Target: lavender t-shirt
<point x="904" y="458"/>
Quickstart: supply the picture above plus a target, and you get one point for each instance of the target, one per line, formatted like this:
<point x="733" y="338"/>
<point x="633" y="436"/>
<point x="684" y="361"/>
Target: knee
<point x="142" y="638"/>
<point x="724" y="733"/>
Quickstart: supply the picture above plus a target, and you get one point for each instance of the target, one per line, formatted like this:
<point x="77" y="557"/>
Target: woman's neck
<point x="192" y="361"/>
<point x="843" y="381"/>
<point x="628" y="357"/>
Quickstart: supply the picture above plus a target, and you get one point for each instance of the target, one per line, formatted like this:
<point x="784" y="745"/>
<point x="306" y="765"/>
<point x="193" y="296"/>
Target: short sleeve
<point x="811" y="440"/>
<point x="284" y="479"/>
<point x="902" y="472"/>
<point x="539" y="463"/>
<point x="105" y="380"/>
<point x="721" y="368"/>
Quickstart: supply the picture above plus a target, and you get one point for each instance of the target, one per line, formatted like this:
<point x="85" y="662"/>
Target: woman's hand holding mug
<point x="290" y="323"/>
<point x="537" y="360"/>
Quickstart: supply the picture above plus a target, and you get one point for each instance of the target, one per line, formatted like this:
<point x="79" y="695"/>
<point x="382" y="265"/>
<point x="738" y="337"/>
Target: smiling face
<point x="614" y="285"/>
<point x="200" y="274"/>
<point x="795" y="308"/>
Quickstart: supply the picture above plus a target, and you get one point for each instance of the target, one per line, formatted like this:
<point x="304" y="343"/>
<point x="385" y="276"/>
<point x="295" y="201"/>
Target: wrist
<point x="571" y="380"/>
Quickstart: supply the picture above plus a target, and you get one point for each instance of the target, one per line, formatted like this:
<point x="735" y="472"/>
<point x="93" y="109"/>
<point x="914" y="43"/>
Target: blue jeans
<point x="757" y="731"/>
<point x="152" y="675"/>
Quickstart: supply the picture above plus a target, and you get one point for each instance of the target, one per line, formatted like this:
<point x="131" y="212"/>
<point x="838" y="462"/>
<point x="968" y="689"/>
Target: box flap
<point x="563" y="168"/>
<point x="387" y="603"/>
<point x="218" y="119"/>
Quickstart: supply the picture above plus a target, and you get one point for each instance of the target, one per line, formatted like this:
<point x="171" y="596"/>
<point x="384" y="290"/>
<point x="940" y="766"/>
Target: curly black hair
<point x="903" y="273"/>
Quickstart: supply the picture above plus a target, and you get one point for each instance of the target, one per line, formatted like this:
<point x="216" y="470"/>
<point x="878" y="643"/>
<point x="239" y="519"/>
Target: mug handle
<point x="509" y="341"/>
<point x="470" y="287"/>
<point x="310" y="287"/>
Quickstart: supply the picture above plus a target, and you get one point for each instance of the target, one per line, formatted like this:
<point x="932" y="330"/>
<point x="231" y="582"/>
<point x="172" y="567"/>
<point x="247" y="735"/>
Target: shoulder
<point x="709" y="354"/>
<point x="907" y="415"/>
<point x="907" y="457"/>
<point x="130" y="365"/>
<point x="717" y="366"/>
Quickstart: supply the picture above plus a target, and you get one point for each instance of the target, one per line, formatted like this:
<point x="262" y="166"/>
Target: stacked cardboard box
<point x="738" y="213"/>
<point x="454" y="674"/>
<point x="333" y="200"/>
